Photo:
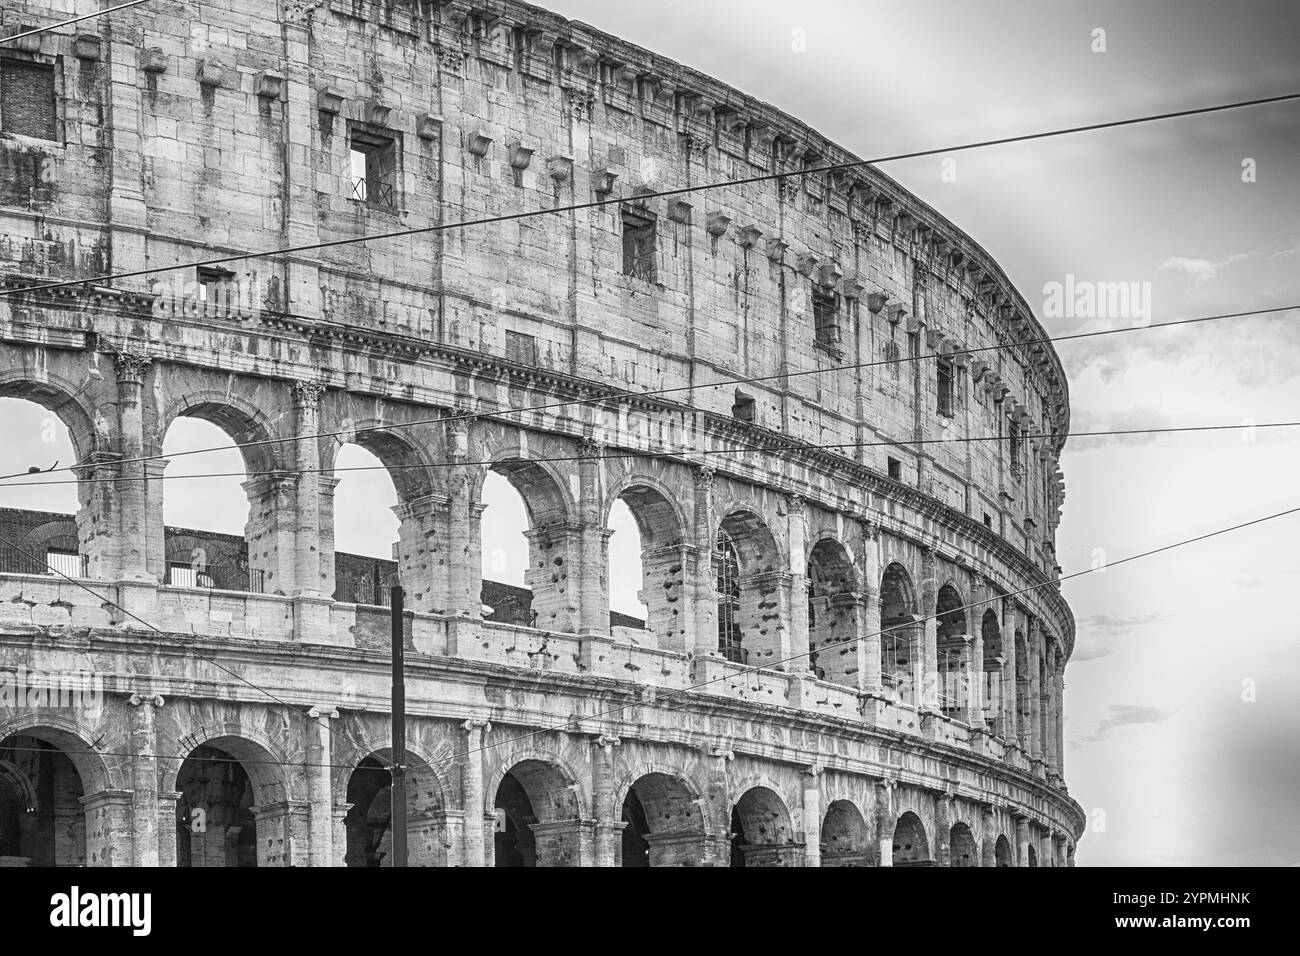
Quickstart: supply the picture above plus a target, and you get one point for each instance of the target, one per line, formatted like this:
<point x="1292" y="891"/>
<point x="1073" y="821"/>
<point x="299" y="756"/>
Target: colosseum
<point x="854" y="642"/>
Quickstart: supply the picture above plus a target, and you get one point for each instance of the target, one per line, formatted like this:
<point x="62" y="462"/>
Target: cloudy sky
<point x="1182" y="721"/>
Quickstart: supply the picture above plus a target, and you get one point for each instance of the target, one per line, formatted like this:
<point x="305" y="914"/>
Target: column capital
<point x="870" y="528"/>
<point x="704" y="479"/>
<point x="474" y="724"/>
<point x="589" y="449"/>
<point x="131" y="364"/>
<point x="795" y="505"/>
<point x="606" y="741"/>
<point x="814" y="770"/>
<point x="136" y="700"/>
<point x="307" y="394"/>
<point x="722" y="753"/>
<point x="323" y="710"/>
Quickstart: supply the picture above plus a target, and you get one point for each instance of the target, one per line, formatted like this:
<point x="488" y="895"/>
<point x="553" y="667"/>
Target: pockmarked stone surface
<point x="855" y="644"/>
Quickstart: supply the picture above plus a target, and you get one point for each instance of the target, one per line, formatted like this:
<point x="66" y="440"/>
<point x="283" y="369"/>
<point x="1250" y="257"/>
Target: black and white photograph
<point x="466" y="434"/>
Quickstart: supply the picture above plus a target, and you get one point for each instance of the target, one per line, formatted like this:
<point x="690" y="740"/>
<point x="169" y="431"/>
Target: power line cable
<point x="667" y="453"/>
<point x="618" y="395"/>
<point x="660" y="194"/>
<point x="64" y="23"/>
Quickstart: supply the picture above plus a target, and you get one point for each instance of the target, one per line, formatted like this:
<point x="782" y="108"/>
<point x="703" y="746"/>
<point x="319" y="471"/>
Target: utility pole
<point x="399" y="728"/>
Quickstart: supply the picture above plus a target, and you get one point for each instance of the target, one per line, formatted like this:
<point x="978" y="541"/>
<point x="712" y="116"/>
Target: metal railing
<point x="56" y="563"/>
<point x="374" y="192"/>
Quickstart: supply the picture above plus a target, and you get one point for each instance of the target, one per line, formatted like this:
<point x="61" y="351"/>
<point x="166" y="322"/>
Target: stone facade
<point x="817" y="510"/>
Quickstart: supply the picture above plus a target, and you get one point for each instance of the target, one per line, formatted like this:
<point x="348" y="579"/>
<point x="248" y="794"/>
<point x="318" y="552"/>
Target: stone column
<point x="1022" y="840"/>
<point x="1060" y="717"/>
<point x="307" y="551"/>
<point x="975" y="668"/>
<point x="869" y="674"/>
<point x="609" y="825"/>
<point x="134" y="506"/>
<point x="471" y="778"/>
<point x="144" y="779"/>
<point x="1048" y="705"/>
<point x="718" y="808"/>
<point x="320" y="814"/>
<point x="668" y="597"/>
<point x="464" y="547"/>
<point x="108" y="828"/>
<point x="167" y="801"/>
<point x="943" y="829"/>
<point x="796" y="514"/>
<point x="885" y="821"/>
<point x="1008" y="626"/>
<point x="812" y="815"/>
<point x="271" y="531"/>
<point x="282" y="829"/>
<point x="703" y="583"/>
<point x="926" y="660"/>
<point x="1034" y="640"/>
<point x="593" y="545"/>
<point x="990" y="841"/>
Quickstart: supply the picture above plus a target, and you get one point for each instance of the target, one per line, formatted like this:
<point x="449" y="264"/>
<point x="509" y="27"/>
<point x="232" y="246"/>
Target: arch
<point x="71" y="738"/>
<point x="1022" y="690"/>
<point x="663" y="821"/>
<point x="1032" y="856"/>
<point x="42" y="813"/>
<point x="953" y="650"/>
<point x="1002" y="851"/>
<point x="538" y="809"/>
<point x="900" y="634"/>
<point x="962" y="850"/>
<point x="407" y="464"/>
<point x="911" y="847"/>
<point x="833" y="612"/>
<point x="88" y="430"/>
<point x="554" y="567"/>
<point x="235" y="415"/>
<point x="660" y="524"/>
<point x="746" y="559"/>
<point x="265" y="765"/>
<point x="655" y="507"/>
<point x="845" y="839"/>
<point x="368" y="822"/>
<point x="994" y="662"/>
<point x="761" y="831"/>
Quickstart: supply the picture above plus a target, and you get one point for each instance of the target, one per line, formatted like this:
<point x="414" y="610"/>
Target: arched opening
<point x="42" y="820"/>
<point x="833" y="609"/>
<point x="527" y="582"/>
<point x="1022" y="691"/>
<point x="1033" y="856"/>
<point x="41" y="514"/>
<point x="662" y="823"/>
<point x="537" y="818"/>
<point x="845" y="839"/>
<point x="368" y="822"/>
<point x="366" y="528"/>
<point x="898" y="635"/>
<point x="208" y="521"/>
<point x="1002" y="852"/>
<point x="215" y="825"/>
<point x="994" y="663"/>
<point x="746" y="563"/>
<point x="646" y="566"/>
<point x="761" y="834"/>
<point x="961" y="846"/>
<point x="952" y="645"/>
<point x="910" y="845"/>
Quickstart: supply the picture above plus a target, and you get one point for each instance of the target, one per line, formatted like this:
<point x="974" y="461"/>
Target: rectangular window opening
<point x="945" y="386"/>
<point x="521" y="348"/>
<point x="826" y="316"/>
<point x="372" y="169"/>
<point x="744" y="408"/>
<point x="639" y="245"/>
<point x="27" y="99"/>
<point x="895" y="469"/>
